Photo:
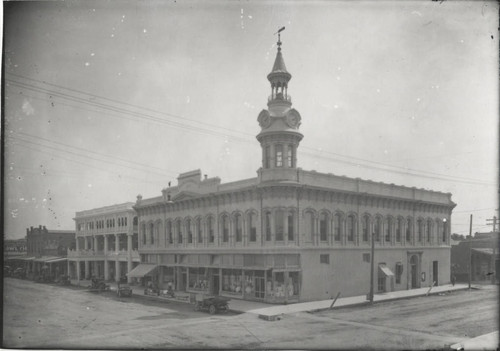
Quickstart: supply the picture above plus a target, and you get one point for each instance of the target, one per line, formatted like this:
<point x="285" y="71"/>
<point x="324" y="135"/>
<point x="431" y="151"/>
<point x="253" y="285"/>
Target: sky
<point x="105" y="100"/>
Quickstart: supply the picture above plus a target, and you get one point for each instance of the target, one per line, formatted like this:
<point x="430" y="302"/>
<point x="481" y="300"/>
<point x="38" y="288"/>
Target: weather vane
<point x="279" y="36"/>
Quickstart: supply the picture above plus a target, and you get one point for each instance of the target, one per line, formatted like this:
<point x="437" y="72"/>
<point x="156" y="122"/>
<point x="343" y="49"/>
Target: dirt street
<point x="46" y="316"/>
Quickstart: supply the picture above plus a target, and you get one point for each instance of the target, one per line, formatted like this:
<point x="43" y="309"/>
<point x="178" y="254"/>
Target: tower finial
<point x="279" y="37"/>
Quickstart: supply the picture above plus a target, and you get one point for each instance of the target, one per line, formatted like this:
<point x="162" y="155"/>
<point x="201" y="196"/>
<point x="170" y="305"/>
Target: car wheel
<point x="212" y="309"/>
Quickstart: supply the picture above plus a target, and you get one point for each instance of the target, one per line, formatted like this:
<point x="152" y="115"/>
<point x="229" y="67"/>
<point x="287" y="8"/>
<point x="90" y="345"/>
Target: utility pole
<point x="494" y="219"/>
<point x="372" y="263"/>
<point x="470" y="251"/>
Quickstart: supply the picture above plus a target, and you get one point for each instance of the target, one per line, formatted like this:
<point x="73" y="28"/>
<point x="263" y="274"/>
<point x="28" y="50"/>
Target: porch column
<point x="86" y="262"/>
<point x="129" y="256"/>
<point x="77" y="271"/>
<point x="117" y="261"/>
<point x="106" y="268"/>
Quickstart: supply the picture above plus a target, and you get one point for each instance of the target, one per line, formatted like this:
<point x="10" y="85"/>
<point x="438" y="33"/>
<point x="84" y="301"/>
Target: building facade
<point x="291" y="235"/>
<point x="106" y="243"/>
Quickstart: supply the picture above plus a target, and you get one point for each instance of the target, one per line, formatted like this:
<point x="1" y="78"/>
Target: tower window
<point x="289" y="156"/>
<point x="279" y="155"/>
<point x="267" y="157"/>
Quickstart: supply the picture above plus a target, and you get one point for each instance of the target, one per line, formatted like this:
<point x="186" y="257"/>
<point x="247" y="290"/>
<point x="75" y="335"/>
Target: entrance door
<point x="414" y="271"/>
<point x="435" y="272"/>
<point x="259" y="287"/>
<point x="215" y="285"/>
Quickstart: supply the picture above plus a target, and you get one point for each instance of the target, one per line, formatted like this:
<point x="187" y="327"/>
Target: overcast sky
<point x="106" y="100"/>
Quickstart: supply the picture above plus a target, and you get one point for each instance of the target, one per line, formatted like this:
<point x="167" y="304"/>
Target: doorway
<point x="435" y="271"/>
<point x="414" y="272"/>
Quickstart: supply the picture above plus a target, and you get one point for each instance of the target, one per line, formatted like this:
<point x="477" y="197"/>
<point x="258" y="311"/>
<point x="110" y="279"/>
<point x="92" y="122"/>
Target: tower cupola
<point x="279" y="136"/>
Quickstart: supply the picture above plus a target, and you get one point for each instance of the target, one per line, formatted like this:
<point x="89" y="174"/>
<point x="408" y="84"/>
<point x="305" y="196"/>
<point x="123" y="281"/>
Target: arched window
<point x="225" y="228"/>
<point x="143" y="231"/>
<point x="279" y="219"/>
<point x="409" y="227"/>
<point x="309" y="225"/>
<point x="210" y="229"/>
<point x="151" y="234"/>
<point x="377" y="229"/>
<point x="289" y="156"/>
<point x="388" y="229"/>
<point x="135" y="220"/>
<point x="238" y="227"/>
<point x="252" y="227"/>
<point x="279" y="155"/>
<point x="350" y="227"/>
<point x="366" y="226"/>
<point x="199" y="229"/>
<point x="178" y="228"/>
<point x="429" y="230"/>
<point x="323" y="226"/>
<point x="420" y="228"/>
<point x="267" y="157"/>
<point x="338" y="227"/>
<point x="189" y="231"/>
<point x="291" y="229"/>
<point x="445" y="230"/>
<point x="268" y="226"/>
<point x="170" y="238"/>
<point x="399" y="229"/>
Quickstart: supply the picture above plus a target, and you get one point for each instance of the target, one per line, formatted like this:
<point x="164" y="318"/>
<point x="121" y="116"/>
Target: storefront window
<point x="293" y="286"/>
<point x="232" y="281"/>
<point x="198" y="279"/>
<point x="249" y="283"/>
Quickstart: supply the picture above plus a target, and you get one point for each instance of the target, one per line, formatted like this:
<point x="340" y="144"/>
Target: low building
<point x="481" y="253"/>
<point x="106" y="243"/>
<point x="291" y="235"/>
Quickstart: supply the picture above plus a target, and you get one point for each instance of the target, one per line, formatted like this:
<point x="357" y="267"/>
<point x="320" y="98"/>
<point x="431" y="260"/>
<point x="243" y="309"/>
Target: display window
<point x="198" y="279"/>
<point x="232" y="281"/>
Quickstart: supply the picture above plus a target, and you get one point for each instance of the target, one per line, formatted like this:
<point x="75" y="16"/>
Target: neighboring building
<point x="14" y="247"/>
<point x="106" y="243"/>
<point x="47" y="250"/>
<point x="482" y="254"/>
<point x="291" y="235"/>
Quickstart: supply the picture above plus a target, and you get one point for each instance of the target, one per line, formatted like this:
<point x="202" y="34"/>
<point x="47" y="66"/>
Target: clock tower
<point x="279" y="136"/>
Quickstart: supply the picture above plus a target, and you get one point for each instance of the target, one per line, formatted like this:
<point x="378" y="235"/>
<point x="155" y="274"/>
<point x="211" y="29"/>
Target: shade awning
<point x="385" y="270"/>
<point x="141" y="270"/>
<point x="46" y="258"/>
<point x="57" y="260"/>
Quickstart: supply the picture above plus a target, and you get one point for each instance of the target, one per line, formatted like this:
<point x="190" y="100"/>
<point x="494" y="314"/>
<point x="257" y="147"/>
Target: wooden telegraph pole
<point x="372" y="263"/>
<point x="470" y="251"/>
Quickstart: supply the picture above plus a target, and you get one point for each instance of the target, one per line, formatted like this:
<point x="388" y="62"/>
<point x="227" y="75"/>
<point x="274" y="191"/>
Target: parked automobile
<point x="212" y="304"/>
<point x="7" y="271"/>
<point x="19" y="273"/>
<point x="98" y="285"/>
<point x="123" y="290"/>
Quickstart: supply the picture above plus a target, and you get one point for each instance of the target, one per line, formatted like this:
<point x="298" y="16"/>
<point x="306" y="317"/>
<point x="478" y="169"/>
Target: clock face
<point x="264" y="119"/>
<point x="293" y="118"/>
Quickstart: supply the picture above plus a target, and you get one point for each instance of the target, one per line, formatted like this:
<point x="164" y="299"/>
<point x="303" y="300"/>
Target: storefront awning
<point x="60" y="259"/>
<point x="141" y="270"/>
<point x="25" y="258"/>
<point x="385" y="270"/>
<point x="46" y="258"/>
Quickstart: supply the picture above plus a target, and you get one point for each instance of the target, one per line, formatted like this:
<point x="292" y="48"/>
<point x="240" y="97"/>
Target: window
<point x="169" y="232"/>
<point x="429" y="228"/>
<point x="143" y="231"/>
<point x="210" y="228"/>
<point x="278" y="222"/>
<point x="268" y="226"/>
<point x="252" y="227"/>
<point x="189" y="231"/>
<point x="199" y="229"/>
<point x="338" y="227"/>
<point x="366" y="257"/>
<point x="381" y="283"/>
<point x="377" y="228"/>
<point x="309" y="225"/>
<point x="350" y="228"/>
<point x="324" y="259"/>
<point x="408" y="230"/>
<point x="365" y="226"/>
<point x="238" y="226"/>
<point x="179" y="231"/>
<point x="135" y="220"/>
<point x="232" y="281"/>
<point x="399" y="272"/>
<point x="279" y="155"/>
<point x="151" y="233"/>
<point x="290" y="227"/>
<point x="198" y="279"/>
<point x="289" y="156"/>
<point x="399" y="229"/>
<point x="225" y="229"/>
<point x="445" y="228"/>
<point x="420" y="225"/>
<point x="267" y="157"/>
<point x="388" y="229"/>
<point x="323" y="220"/>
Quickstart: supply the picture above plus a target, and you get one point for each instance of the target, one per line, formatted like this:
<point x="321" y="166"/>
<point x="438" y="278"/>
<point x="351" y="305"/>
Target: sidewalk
<point x="271" y="313"/>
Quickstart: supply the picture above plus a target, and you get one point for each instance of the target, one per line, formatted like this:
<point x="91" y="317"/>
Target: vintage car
<point x="123" y="289"/>
<point x="98" y="285"/>
<point x="212" y="304"/>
